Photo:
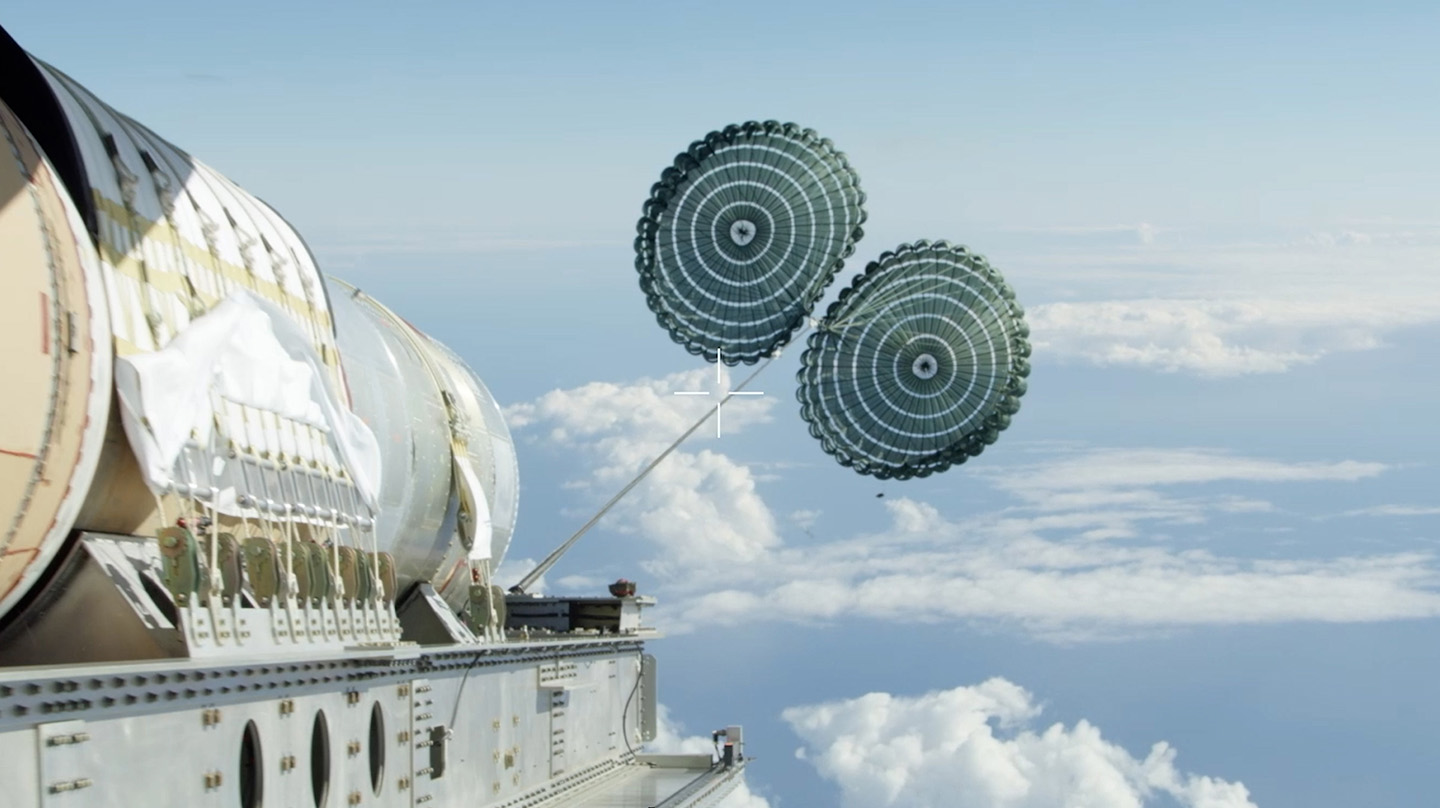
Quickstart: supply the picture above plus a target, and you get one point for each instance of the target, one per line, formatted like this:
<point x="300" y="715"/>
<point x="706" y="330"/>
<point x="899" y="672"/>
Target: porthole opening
<point x="377" y="748"/>
<point x="320" y="759"/>
<point x="252" y="774"/>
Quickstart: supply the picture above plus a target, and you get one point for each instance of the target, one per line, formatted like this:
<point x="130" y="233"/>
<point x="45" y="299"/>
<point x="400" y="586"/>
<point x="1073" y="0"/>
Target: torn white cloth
<point x="472" y="495"/>
<point x="247" y="352"/>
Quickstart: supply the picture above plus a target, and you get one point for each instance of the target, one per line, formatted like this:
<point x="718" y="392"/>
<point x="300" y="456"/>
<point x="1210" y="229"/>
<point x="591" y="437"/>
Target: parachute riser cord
<point x="545" y="565"/>
<point x="875" y="308"/>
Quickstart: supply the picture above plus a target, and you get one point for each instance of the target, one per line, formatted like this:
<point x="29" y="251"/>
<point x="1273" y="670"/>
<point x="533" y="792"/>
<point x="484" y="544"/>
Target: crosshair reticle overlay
<point x="725" y="396"/>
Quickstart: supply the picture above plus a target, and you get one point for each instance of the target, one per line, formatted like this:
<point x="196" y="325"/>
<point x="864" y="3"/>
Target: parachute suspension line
<point x="875" y="309"/>
<point x="544" y="566"/>
<point x="295" y="511"/>
<point x="239" y="449"/>
<point x="217" y="581"/>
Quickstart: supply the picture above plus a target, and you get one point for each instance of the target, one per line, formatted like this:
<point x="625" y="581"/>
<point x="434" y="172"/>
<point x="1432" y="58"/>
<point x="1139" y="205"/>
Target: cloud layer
<point x="1090" y="543"/>
<point x="973" y="747"/>
<point x="1110" y="469"/>
<point x="1216" y="303"/>
<point x="698" y="508"/>
<point x="1395" y="510"/>
<point x="1217" y="337"/>
<point x="925" y="568"/>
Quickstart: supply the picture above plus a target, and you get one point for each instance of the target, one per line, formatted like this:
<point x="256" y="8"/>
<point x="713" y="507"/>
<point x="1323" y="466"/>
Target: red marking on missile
<point x="448" y="578"/>
<point x="14" y="453"/>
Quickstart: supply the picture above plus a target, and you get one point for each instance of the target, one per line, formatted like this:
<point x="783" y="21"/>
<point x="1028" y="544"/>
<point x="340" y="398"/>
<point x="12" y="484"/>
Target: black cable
<point x="456" y="712"/>
<point x="625" y="711"/>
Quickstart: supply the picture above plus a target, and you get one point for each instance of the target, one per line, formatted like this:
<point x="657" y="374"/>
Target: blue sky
<point x="1214" y="522"/>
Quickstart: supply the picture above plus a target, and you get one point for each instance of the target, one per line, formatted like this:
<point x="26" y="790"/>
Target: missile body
<point x="174" y="358"/>
<point x="247" y="512"/>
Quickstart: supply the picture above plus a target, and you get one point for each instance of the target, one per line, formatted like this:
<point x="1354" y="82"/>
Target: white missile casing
<point x="240" y="508"/>
<point x="115" y="270"/>
<point x="56" y="365"/>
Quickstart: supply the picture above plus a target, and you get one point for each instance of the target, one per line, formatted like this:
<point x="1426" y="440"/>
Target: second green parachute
<point x="918" y="366"/>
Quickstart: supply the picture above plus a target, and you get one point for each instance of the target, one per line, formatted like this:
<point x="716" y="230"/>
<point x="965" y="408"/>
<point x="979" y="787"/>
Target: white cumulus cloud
<point x="1395" y="510"/>
<point x="647" y="412"/>
<point x="511" y="570"/>
<point x="1083" y="548"/>
<point x="975" y="747"/>
<point x="698" y="508"/>
<point x="1217" y="337"/>
<point x="1065" y="473"/>
<point x="804" y="518"/>
<point x="926" y="568"/>
<point x="1225" y="301"/>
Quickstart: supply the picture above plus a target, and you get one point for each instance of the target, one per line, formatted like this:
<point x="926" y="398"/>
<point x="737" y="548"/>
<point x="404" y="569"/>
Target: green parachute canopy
<point x="918" y="366"/>
<point x="741" y="236"/>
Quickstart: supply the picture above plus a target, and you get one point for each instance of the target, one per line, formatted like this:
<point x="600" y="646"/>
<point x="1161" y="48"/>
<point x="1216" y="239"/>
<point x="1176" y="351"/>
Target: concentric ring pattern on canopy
<point x="742" y="234"/>
<point x="918" y="366"/>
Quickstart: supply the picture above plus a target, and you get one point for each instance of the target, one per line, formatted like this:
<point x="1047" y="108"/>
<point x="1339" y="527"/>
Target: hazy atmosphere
<point x="1199" y="570"/>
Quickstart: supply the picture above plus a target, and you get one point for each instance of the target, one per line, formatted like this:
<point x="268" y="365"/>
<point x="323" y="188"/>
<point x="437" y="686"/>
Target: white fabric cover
<point x="248" y="352"/>
<point x="473" y="495"/>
